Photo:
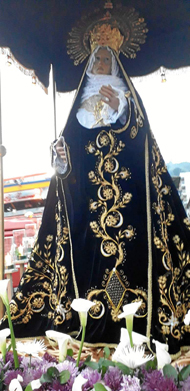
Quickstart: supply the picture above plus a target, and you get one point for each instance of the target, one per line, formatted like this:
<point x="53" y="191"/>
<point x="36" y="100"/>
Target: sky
<point x="168" y="108"/>
<point x="28" y="124"/>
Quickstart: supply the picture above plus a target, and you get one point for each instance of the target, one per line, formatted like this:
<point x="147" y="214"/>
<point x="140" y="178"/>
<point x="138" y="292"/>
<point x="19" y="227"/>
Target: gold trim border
<point x="149" y="236"/>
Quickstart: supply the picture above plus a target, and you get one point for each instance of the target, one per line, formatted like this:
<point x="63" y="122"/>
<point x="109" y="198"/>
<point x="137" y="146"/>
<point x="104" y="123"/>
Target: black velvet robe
<point x="113" y="231"/>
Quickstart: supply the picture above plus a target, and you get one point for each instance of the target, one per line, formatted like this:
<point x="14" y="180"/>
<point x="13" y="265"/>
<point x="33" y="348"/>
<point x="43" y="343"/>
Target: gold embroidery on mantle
<point x="174" y="285"/>
<point x="115" y="291"/>
<point x="47" y="279"/>
<point x="108" y="226"/>
<point x="110" y="197"/>
<point x="139" y="123"/>
<point x="187" y="223"/>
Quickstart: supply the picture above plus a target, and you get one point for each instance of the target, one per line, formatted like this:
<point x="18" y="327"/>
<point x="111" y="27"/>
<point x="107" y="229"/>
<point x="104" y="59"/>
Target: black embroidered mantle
<point x="113" y="231"/>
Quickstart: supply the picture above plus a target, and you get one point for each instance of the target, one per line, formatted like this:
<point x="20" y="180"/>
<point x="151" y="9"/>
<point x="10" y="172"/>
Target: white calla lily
<point x="3" y="335"/>
<point x="82" y="306"/>
<point x="128" y="313"/>
<point x="78" y="383"/>
<point x="15" y="384"/>
<point x="4" y="297"/>
<point x="162" y="355"/>
<point x="62" y="340"/>
<point x="130" y="309"/>
<point x="132" y="357"/>
<point x="138" y="339"/>
<point x="187" y="318"/>
<point x="3" y="291"/>
<point x="35" y="384"/>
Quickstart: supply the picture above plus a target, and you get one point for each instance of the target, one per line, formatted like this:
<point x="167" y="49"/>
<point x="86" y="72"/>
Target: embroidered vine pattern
<point x="110" y="198"/>
<point x="174" y="284"/>
<point x="48" y="278"/>
<point x="109" y="225"/>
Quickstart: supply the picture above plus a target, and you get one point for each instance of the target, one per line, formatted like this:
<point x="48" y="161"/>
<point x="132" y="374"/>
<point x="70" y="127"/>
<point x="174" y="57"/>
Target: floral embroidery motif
<point x="108" y="226"/>
<point x="50" y="279"/>
<point x="174" y="284"/>
<point x="187" y="223"/>
<point x="110" y="198"/>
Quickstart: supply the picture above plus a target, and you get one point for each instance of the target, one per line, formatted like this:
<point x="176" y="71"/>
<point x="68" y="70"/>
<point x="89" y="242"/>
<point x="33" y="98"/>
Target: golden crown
<point x="117" y="27"/>
<point x="105" y="35"/>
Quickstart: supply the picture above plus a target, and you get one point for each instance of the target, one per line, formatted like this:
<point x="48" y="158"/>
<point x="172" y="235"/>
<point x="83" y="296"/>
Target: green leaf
<point x="9" y="347"/>
<point x="70" y="352"/>
<point x="108" y="363"/>
<point x="99" y="387"/>
<point x="184" y="373"/>
<point x="152" y="364"/>
<point x="106" y="352"/>
<point x="45" y="378"/>
<point x="170" y="371"/>
<point x="88" y="358"/>
<point x="105" y="364"/>
<point x="100" y="362"/>
<point x="28" y="388"/>
<point x="64" y="376"/>
<point x="53" y="372"/>
<point x="2" y="375"/>
<point x="103" y="370"/>
<point x="92" y="364"/>
<point x="124" y="369"/>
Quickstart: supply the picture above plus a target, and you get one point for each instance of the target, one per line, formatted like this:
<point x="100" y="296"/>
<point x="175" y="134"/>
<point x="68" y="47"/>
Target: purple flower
<point x="93" y="377"/>
<point x="9" y="361"/>
<point x="12" y="374"/>
<point x="56" y="386"/>
<point x="9" y="358"/>
<point x="44" y="387"/>
<point x="113" y="378"/>
<point x="73" y="370"/>
<point x="49" y="358"/>
<point x="155" y="381"/>
<point x="130" y="384"/>
<point x="186" y="384"/>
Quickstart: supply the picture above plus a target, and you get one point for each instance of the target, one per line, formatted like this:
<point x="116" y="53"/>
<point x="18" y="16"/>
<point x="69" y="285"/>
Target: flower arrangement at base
<point x="129" y="369"/>
<point x="51" y="375"/>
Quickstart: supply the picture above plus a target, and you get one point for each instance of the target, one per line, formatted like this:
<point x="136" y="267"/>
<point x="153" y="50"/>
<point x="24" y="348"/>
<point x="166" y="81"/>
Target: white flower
<point x="62" y="340"/>
<point x="3" y="335"/>
<point x="15" y="384"/>
<point x="130" y="309"/>
<point x="32" y="348"/>
<point x="82" y="306"/>
<point x="78" y="383"/>
<point x="131" y="357"/>
<point x="187" y="318"/>
<point x="3" y="291"/>
<point x="162" y="355"/>
<point x="35" y="384"/>
<point x="138" y="339"/>
<point x="128" y="313"/>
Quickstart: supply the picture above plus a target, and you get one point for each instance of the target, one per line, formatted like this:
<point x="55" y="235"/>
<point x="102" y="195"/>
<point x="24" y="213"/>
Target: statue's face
<point x="103" y="62"/>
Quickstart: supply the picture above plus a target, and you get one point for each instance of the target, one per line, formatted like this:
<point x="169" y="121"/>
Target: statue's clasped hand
<point x="110" y="97"/>
<point x="61" y="151"/>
